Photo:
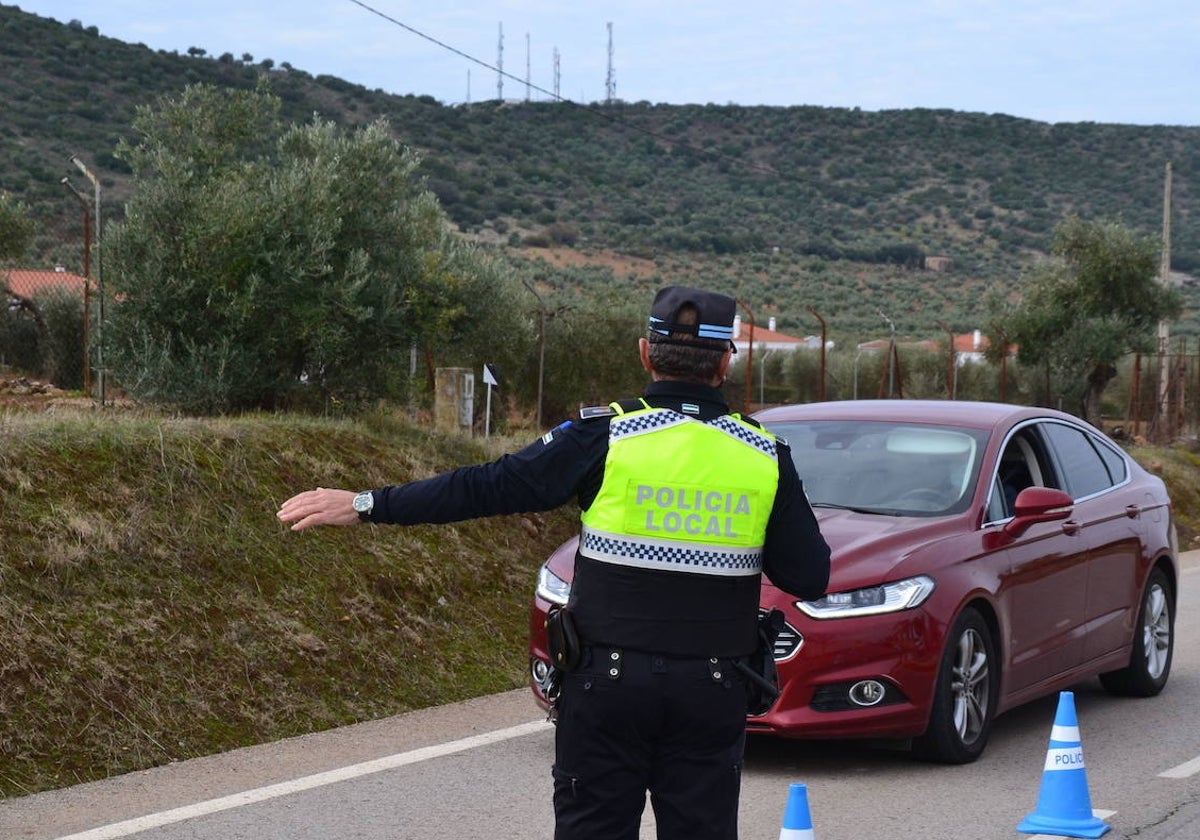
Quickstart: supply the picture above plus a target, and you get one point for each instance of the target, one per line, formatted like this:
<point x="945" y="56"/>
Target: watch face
<point x="363" y="502"/>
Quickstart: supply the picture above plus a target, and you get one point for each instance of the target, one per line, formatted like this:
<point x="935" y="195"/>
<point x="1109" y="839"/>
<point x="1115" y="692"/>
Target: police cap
<point x="714" y="313"/>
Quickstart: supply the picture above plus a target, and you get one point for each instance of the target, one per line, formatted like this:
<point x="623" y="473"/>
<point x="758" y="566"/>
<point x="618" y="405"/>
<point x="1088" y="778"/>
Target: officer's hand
<point x="323" y="506"/>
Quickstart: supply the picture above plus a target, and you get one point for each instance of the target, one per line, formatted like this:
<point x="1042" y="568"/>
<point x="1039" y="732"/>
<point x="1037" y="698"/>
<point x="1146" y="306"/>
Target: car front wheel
<point x="964" y="701"/>
<point x="1153" y="643"/>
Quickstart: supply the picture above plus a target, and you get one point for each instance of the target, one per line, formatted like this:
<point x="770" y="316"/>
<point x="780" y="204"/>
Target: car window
<point x="1118" y="469"/>
<point x="1084" y="471"/>
<point x="889" y="468"/>
<point x="1022" y="464"/>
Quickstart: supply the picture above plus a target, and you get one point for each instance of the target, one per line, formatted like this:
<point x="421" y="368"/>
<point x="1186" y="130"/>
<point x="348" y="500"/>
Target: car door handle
<point x="1133" y="511"/>
<point x="1070" y="526"/>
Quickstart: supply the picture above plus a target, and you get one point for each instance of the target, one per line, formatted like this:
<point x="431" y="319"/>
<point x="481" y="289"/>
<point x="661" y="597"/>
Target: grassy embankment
<point x="153" y="609"/>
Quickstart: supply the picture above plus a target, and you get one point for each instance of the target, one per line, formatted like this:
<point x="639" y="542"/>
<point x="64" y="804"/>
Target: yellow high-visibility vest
<point x="682" y="494"/>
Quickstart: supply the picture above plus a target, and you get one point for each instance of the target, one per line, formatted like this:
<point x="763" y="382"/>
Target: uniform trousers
<point x="675" y="727"/>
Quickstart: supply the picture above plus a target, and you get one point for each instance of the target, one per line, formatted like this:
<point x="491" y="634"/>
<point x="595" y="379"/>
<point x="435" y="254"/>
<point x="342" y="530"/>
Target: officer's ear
<point x="723" y="368"/>
<point x="644" y="354"/>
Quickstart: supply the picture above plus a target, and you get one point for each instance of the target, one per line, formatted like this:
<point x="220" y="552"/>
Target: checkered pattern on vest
<point x="651" y="421"/>
<point x="651" y="554"/>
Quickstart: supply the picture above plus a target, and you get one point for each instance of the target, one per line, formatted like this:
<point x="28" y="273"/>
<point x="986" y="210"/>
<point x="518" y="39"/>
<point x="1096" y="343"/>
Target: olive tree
<point x="1098" y="301"/>
<point x="259" y="263"/>
<point x="16" y="228"/>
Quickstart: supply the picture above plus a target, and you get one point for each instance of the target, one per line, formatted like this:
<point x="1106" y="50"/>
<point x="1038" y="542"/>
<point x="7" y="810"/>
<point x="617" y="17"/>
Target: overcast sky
<point x="1107" y="61"/>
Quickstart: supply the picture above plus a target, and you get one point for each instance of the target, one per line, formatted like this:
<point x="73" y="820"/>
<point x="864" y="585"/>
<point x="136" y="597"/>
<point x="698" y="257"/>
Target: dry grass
<point x="153" y="609"/>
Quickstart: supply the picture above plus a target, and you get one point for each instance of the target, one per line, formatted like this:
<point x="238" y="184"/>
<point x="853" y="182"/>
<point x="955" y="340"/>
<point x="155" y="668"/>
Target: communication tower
<point x="557" y="75"/>
<point x="500" y="65"/>
<point x="610" y="82"/>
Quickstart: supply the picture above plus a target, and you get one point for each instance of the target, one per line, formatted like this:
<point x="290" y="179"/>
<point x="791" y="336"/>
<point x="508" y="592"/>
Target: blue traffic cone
<point x="1064" y="807"/>
<point x="797" y="822"/>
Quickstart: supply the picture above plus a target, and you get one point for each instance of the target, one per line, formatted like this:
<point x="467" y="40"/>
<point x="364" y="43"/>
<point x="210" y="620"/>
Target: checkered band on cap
<point x="646" y="553"/>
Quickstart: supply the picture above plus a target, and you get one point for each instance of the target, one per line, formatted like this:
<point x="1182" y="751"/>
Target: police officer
<point x="684" y="505"/>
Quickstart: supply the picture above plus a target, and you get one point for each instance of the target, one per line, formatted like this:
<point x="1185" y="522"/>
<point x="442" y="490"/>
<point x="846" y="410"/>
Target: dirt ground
<point x="19" y="393"/>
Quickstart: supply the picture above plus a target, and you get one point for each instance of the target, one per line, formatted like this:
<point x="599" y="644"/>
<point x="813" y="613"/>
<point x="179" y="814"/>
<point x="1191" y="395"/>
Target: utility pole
<point x="541" y="348"/>
<point x="1164" y="327"/>
<point x="951" y="359"/>
<point x="821" y="389"/>
<point x="527" y="70"/>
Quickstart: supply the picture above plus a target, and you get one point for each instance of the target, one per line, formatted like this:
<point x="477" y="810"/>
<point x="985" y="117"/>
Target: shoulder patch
<point x="549" y="437"/>
<point x="593" y="412"/>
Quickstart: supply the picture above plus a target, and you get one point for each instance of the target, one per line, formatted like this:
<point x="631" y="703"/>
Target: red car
<point x="984" y="555"/>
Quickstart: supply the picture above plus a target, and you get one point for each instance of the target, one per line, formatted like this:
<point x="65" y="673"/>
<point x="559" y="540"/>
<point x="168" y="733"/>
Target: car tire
<point x="1153" y="643"/>
<point x="964" y="703"/>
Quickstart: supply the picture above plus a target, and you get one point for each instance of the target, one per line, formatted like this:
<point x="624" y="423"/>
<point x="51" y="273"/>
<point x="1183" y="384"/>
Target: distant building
<point x="970" y="347"/>
<point x="770" y="339"/>
<point x="939" y="263"/>
<point x="27" y="283"/>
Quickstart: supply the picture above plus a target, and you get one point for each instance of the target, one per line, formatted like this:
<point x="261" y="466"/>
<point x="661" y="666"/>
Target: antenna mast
<point x="557" y="75"/>
<point x="610" y="82"/>
<point x="500" y="65"/>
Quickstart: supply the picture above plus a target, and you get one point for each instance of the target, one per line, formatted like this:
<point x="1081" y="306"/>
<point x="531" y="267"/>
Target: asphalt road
<point x="481" y="769"/>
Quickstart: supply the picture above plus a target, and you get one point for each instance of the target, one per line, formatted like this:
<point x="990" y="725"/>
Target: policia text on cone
<point x="684" y="507"/>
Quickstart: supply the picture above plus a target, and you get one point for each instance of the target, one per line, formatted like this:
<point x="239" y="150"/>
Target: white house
<point x="770" y="339"/>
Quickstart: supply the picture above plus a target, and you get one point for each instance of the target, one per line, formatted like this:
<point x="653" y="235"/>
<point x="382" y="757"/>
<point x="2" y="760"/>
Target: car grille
<point x="787" y="642"/>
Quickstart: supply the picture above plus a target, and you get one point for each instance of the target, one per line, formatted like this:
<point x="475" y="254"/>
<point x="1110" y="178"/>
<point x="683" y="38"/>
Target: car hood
<point x="868" y="549"/>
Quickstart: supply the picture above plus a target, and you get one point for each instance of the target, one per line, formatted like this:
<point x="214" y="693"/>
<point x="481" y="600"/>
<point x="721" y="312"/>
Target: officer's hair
<point x="683" y="355"/>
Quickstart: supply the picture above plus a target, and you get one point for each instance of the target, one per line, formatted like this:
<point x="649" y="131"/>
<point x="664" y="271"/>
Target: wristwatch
<point x="364" y="503"/>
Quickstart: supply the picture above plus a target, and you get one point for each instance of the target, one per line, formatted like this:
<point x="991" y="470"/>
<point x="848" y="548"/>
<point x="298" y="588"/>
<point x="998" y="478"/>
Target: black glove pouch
<point x="762" y="680"/>
<point x="562" y="639"/>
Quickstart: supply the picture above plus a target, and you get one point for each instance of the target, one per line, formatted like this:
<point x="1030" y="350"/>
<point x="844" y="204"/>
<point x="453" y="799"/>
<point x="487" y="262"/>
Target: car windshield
<point x="886" y="468"/>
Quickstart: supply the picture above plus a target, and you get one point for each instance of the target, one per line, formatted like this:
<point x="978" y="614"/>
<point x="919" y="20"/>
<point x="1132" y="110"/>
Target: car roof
<point x="977" y="415"/>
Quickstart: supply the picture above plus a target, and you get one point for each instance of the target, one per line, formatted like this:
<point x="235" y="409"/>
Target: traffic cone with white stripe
<point x="797" y="822"/>
<point x="1064" y="806"/>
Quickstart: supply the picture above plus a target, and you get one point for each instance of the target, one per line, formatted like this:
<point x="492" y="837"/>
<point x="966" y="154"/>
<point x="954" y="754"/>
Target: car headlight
<point x="872" y="600"/>
<point x="552" y="588"/>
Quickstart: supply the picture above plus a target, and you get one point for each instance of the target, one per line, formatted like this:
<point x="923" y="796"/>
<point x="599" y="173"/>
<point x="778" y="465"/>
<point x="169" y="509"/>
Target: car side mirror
<point x="1033" y="505"/>
<point x="1038" y="504"/>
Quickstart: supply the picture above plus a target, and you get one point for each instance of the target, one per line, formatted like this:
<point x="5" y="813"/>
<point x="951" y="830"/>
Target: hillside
<point x="154" y="609"/>
<point x="799" y="206"/>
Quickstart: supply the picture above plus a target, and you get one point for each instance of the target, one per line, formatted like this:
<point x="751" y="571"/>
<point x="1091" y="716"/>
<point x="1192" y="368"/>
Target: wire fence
<point x="1164" y="395"/>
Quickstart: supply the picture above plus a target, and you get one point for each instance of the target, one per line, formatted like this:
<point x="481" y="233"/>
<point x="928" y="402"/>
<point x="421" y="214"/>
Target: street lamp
<point x="891" y="355"/>
<point x="87" y="173"/>
<point x="87" y="282"/>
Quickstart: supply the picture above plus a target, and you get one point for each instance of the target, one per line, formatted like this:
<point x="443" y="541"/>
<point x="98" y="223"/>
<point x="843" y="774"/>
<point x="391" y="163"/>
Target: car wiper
<point x="852" y="509"/>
